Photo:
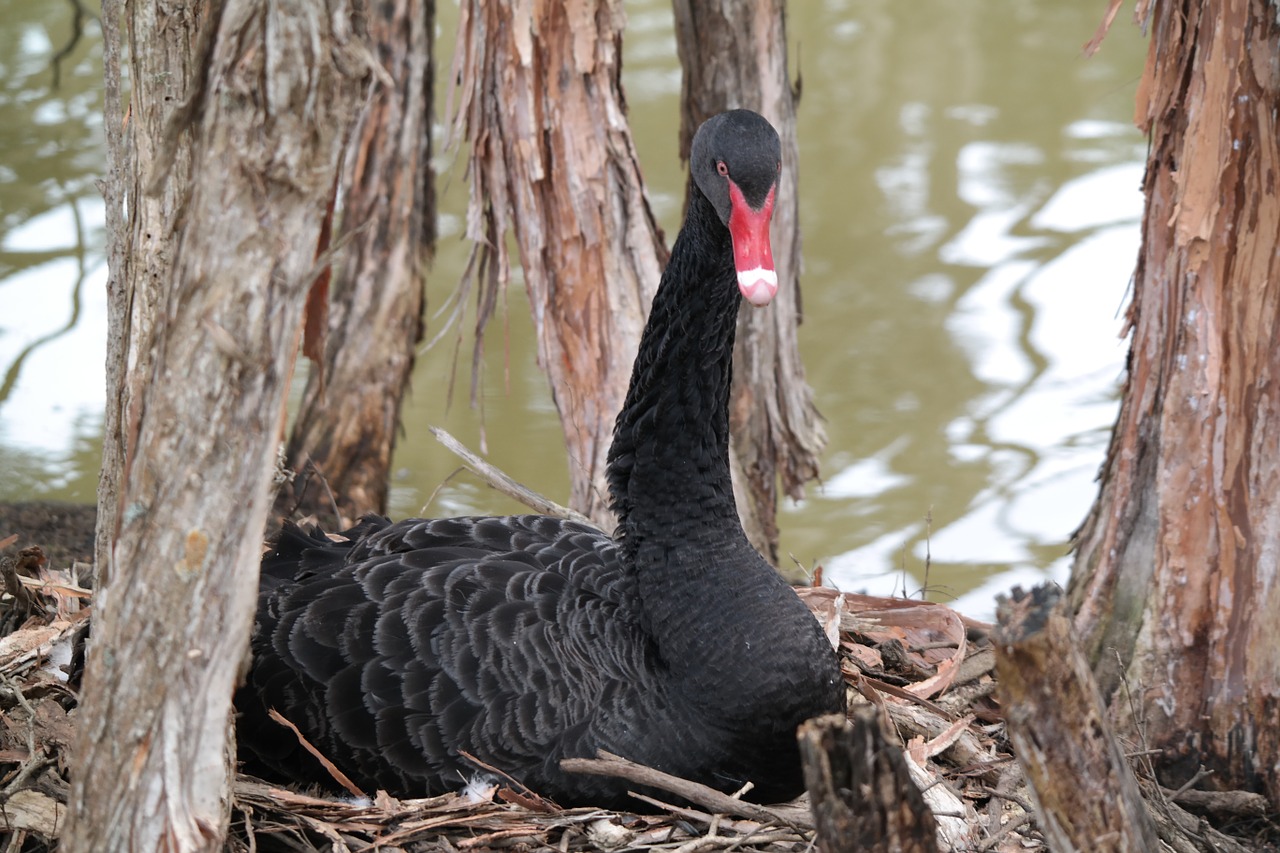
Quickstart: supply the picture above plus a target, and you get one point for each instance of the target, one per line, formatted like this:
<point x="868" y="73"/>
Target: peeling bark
<point x="344" y="435"/>
<point x="1178" y="571"/>
<point x="552" y="162"/>
<point x="734" y="54"/>
<point x="270" y="104"/>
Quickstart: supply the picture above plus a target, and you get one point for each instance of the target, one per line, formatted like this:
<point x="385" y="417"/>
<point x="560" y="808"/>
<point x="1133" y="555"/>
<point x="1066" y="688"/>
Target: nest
<point x="927" y="673"/>
<point x="914" y="660"/>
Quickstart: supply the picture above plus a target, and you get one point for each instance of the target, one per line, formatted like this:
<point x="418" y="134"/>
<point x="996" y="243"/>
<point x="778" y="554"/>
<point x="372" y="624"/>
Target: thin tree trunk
<point x="342" y="440"/>
<point x="268" y="110"/>
<point x="141" y="238"/>
<point x="552" y="160"/>
<point x="734" y="54"/>
<point x="1177" y="574"/>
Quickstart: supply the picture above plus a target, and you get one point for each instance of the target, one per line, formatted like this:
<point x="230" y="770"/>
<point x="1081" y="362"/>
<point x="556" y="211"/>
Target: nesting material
<point x="926" y="671"/>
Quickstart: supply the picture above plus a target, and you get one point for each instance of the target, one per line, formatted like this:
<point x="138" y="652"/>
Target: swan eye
<point x="722" y="168"/>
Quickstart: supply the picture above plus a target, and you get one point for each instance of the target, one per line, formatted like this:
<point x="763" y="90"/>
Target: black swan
<point x="529" y="639"/>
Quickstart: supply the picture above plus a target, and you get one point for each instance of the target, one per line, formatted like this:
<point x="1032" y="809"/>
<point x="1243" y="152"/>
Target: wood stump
<point x="859" y="789"/>
<point x="1086" y="796"/>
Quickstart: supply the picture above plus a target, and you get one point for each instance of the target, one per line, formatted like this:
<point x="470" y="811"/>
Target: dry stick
<point x="692" y="816"/>
<point x="1190" y="783"/>
<point x="435" y="493"/>
<point x="1139" y="722"/>
<point x="1175" y="826"/>
<point x="504" y="483"/>
<point x="338" y="775"/>
<point x="928" y="553"/>
<point x="1006" y="830"/>
<point x="1223" y="805"/>
<point x="755" y="833"/>
<point x="729" y="842"/>
<point x="609" y="764"/>
<point x="907" y="696"/>
<point x="36" y="760"/>
<point x="529" y="798"/>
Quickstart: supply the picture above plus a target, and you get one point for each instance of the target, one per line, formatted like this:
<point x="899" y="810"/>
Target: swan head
<point x="735" y="159"/>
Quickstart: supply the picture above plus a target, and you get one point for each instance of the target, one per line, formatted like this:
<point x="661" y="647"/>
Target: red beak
<point x="752" y="251"/>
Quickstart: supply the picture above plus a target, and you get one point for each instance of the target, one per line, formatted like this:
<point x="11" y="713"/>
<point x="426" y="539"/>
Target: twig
<point x="928" y="553"/>
<point x="750" y="833"/>
<point x="503" y="483"/>
<point x="36" y="761"/>
<point x="609" y="764"/>
<point x="311" y="471"/>
<point x="529" y="798"/>
<point x="1137" y="715"/>
<point x="1007" y="829"/>
<point x="1222" y="805"/>
<point x="436" y="492"/>
<point x="1190" y="783"/>
<point x="894" y="690"/>
<point x="729" y="843"/>
<point x="1015" y="799"/>
<point x="338" y="775"/>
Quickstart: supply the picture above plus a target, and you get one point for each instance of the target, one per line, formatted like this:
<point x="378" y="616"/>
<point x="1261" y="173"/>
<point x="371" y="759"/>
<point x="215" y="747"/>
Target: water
<point x="52" y="300"/>
<point x="970" y="198"/>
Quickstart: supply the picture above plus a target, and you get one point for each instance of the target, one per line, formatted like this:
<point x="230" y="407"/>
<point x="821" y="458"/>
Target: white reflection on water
<point x="1043" y="425"/>
<point x="57" y="398"/>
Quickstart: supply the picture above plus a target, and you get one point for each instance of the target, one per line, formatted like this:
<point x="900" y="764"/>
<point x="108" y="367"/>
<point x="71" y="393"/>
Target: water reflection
<point x="969" y="190"/>
<point x="52" y="305"/>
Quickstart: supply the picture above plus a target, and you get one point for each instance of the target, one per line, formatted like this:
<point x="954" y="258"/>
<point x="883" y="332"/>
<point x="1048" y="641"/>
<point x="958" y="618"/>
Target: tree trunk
<point x="268" y="109"/>
<point x="734" y="54"/>
<point x="140" y="239"/>
<point x="552" y="160"/>
<point x="342" y="440"/>
<point x="1177" y="574"/>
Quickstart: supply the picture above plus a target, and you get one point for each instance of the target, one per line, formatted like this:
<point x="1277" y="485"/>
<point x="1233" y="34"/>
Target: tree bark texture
<point x="268" y="110"/>
<point x="342" y="439"/>
<point x="734" y="54"/>
<point x="1178" y="570"/>
<point x="552" y="161"/>
<point x="1087" y="798"/>
<point x="860" y="790"/>
<point x="142" y="233"/>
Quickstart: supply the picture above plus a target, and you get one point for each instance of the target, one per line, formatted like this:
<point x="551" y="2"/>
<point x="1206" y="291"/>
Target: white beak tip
<point x="758" y="286"/>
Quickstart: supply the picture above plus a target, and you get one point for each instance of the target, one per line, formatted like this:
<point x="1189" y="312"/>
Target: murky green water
<point x="969" y="189"/>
